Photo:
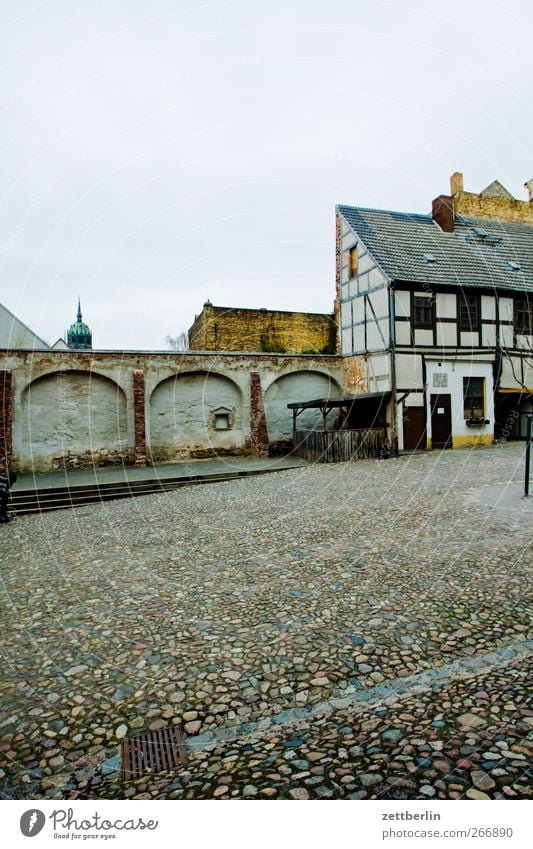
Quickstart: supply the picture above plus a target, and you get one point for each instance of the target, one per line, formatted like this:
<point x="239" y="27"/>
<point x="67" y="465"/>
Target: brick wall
<point x="258" y="426"/>
<point x="139" y="418"/>
<point x="267" y="331"/>
<point x="356" y="377"/>
<point x="6" y="421"/>
<point x="500" y="208"/>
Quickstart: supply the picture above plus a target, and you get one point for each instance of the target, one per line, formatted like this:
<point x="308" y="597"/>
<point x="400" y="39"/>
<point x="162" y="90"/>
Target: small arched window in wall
<point x="222" y="419"/>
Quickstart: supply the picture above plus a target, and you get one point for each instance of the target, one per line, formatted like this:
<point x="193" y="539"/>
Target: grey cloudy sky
<point x="156" y="154"/>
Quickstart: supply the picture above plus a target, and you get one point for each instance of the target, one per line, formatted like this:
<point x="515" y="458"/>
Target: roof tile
<point x="398" y="242"/>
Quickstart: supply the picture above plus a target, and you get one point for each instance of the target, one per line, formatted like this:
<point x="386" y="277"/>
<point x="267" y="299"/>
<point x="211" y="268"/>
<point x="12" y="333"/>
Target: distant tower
<point x="79" y="335"/>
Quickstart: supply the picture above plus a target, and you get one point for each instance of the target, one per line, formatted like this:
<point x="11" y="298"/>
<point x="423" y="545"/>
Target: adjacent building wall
<point x="492" y="206"/>
<point x="494" y="202"/>
<point x="14" y="334"/>
<point x="276" y="331"/>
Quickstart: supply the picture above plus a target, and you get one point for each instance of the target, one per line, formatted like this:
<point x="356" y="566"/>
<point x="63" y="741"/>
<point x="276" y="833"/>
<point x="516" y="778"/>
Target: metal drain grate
<point x="156" y="751"/>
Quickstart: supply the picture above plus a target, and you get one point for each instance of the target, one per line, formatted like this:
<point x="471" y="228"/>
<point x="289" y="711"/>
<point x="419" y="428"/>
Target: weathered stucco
<point x="86" y="408"/>
<point x="299" y="386"/>
<point x="72" y="419"/>
<point x="182" y="416"/>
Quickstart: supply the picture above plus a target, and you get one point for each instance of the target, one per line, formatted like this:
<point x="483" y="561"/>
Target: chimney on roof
<point x="442" y="212"/>
<point x="529" y="186"/>
<point x="456" y="183"/>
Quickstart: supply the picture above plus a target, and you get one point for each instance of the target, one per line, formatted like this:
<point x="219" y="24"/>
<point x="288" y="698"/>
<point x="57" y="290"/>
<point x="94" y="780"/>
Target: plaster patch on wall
<point x="182" y="420"/>
<point x="74" y="419"/>
<point x="298" y="386"/>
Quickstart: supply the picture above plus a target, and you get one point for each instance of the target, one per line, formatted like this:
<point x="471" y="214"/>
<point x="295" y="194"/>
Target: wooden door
<point x="441" y="421"/>
<point x="414" y="428"/>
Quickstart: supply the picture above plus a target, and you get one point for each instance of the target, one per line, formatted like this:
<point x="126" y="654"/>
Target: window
<point x="468" y="312"/>
<point x="523" y="317"/>
<point x="423" y="316"/>
<point x="221" y="421"/>
<point x="474" y="397"/>
<point x="352" y="266"/>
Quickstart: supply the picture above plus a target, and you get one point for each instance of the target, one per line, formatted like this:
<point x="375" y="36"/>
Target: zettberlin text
<point x="407" y="815"/>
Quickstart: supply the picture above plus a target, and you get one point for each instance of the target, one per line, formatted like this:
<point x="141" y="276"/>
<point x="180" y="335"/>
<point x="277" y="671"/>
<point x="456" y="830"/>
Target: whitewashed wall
<point x="455" y="372"/>
<point x="70" y="414"/>
<point x="364" y="310"/>
<point x="299" y="386"/>
<point x="181" y="415"/>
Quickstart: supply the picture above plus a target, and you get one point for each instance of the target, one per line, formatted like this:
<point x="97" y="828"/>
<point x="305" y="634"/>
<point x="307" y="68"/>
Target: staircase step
<point x="24" y="502"/>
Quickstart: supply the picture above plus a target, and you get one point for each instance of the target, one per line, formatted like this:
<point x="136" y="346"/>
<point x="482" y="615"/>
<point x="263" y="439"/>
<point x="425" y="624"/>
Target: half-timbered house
<point x="437" y="311"/>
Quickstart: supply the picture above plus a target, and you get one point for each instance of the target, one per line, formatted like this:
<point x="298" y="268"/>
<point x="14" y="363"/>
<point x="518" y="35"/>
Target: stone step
<point x="59" y="498"/>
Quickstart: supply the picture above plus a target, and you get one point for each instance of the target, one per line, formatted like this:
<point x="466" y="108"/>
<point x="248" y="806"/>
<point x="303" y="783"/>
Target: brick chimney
<point x="442" y="212"/>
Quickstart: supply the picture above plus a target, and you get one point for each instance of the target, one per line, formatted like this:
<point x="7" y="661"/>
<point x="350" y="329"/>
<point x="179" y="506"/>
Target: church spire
<point x="79" y="335"/>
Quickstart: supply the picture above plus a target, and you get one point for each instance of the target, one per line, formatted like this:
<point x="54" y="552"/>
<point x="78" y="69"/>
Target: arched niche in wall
<point x="196" y="414"/>
<point x="297" y="386"/>
<point x="73" y="419"/>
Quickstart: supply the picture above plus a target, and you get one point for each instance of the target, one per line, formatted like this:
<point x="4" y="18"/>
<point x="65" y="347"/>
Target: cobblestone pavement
<point x="347" y="631"/>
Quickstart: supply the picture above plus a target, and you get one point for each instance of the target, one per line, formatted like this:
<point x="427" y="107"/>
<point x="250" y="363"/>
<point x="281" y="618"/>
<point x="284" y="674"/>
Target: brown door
<point x="441" y="421"/>
<point x="414" y="428"/>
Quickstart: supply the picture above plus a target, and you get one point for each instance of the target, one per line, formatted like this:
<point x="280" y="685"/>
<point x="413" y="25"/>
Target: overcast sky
<point x="157" y="154"/>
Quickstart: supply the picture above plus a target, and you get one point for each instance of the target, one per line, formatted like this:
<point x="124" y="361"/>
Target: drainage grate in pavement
<point x="156" y="751"/>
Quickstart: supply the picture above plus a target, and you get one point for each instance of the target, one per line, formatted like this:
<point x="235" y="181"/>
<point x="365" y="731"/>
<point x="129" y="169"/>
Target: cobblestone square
<point x="357" y="631"/>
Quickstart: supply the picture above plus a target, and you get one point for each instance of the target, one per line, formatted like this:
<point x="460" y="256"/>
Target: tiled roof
<point x="399" y="240"/>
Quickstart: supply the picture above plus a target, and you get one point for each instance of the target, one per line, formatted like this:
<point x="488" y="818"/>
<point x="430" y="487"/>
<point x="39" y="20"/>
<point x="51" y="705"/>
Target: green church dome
<point x="79" y="334"/>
